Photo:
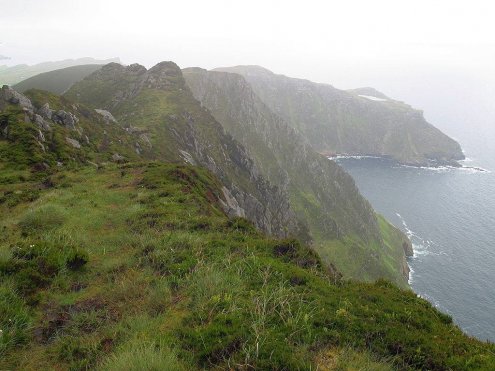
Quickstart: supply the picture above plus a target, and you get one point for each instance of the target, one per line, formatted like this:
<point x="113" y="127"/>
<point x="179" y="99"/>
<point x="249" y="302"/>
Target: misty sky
<point x="413" y="50"/>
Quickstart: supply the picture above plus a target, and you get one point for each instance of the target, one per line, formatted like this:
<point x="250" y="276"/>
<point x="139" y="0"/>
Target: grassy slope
<point x="366" y="261"/>
<point x="15" y="74"/>
<point x="57" y="81"/>
<point x="171" y="283"/>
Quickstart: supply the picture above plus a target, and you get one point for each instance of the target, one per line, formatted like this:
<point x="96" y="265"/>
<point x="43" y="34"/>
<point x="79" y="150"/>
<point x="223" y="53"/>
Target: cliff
<point x="352" y="122"/>
<point x="345" y="229"/>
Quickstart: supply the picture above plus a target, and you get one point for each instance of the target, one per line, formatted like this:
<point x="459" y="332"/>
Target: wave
<point x="438" y="169"/>
<point x="421" y="246"/>
<point x="444" y="169"/>
<point x="353" y="157"/>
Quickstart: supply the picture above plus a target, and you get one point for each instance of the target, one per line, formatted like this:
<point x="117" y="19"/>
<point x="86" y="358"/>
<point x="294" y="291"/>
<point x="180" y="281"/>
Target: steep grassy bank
<point x="136" y="266"/>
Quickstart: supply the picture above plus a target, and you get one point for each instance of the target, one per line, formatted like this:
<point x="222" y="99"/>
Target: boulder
<point x="107" y="116"/>
<point x="118" y="158"/>
<point x="9" y="95"/>
<point x="74" y="143"/>
<point x="42" y="124"/>
<point x="45" y="112"/>
<point x="65" y="118"/>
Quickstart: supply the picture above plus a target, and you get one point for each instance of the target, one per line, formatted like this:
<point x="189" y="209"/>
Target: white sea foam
<point x="438" y="169"/>
<point x="354" y="157"/>
<point x="445" y="169"/>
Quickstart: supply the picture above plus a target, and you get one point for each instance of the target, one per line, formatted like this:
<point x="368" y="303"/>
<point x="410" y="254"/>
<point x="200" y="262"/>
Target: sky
<point x="412" y="50"/>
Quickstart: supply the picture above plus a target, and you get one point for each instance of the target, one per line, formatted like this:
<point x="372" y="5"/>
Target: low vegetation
<point x="135" y="266"/>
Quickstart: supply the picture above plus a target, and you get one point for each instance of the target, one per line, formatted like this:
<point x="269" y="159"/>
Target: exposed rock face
<point x="323" y="196"/>
<point x="42" y="116"/>
<point x="118" y="158"/>
<point x="156" y="103"/>
<point x="41" y="122"/>
<point x="359" y="122"/>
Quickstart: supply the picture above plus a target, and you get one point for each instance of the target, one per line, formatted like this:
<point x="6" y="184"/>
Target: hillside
<point x="305" y="195"/>
<point x="343" y="225"/>
<point x="57" y="81"/>
<point x="135" y="266"/>
<point x="15" y="74"/>
<point x="117" y="256"/>
<point x="350" y="122"/>
<point x="157" y="106"/>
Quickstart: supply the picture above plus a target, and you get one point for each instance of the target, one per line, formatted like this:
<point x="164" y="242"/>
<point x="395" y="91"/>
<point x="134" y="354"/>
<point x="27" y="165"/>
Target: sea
<point x="449" y="215"/>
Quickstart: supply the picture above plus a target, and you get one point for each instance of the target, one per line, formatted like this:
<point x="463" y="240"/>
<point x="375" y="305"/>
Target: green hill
<point x="351" y="122"/>
<point x="15" y="74"/>
<point x="57" y="81"/>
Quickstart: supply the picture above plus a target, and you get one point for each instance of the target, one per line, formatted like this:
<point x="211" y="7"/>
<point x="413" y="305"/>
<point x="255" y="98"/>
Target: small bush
<point x="241" y="224"/>
<point x="292" y="251"/>
<point x="137" y="356"/>
<point x="77" y="259"/>
<point x="42" y="219"/>
<point x="14" y="319"/>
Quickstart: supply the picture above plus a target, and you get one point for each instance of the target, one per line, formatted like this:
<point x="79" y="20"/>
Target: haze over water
<point x="449" y="214"/>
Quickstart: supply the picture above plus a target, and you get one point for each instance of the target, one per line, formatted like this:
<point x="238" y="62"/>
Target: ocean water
<point x="449" y="215"/>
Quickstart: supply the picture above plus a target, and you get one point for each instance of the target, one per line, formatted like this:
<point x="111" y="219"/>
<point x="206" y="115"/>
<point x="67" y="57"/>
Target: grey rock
<point x="230" y="205"/>
<point x="107" y="116"/>
<point x="42" y="124"/>
<point x="66" y="119"/>
<point x="189" y="159"/>
<point x="117" y="158"/>
<point x="145" y="139"/>
<point x="45" y="112"/>
<point x="41" y="136"/>
<point x="9" y="95"/>
<point x="74" y="143"/>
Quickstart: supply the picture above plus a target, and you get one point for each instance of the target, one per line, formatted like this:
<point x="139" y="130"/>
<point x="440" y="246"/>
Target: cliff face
<point x="359" y="122"/>
<point x="324" y="197"/>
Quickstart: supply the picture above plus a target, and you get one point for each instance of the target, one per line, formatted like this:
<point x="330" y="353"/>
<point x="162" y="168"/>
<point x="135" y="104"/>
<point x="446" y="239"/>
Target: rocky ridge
<point x="157" y="104"/>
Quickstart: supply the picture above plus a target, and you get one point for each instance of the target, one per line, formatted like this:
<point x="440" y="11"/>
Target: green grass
<point x="166" y="281"/>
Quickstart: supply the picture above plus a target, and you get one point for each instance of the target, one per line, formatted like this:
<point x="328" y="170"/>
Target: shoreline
<point x="440" y="166"/>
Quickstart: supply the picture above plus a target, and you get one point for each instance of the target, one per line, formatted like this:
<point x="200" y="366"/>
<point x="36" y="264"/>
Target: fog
<point x="438" y="56"/>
